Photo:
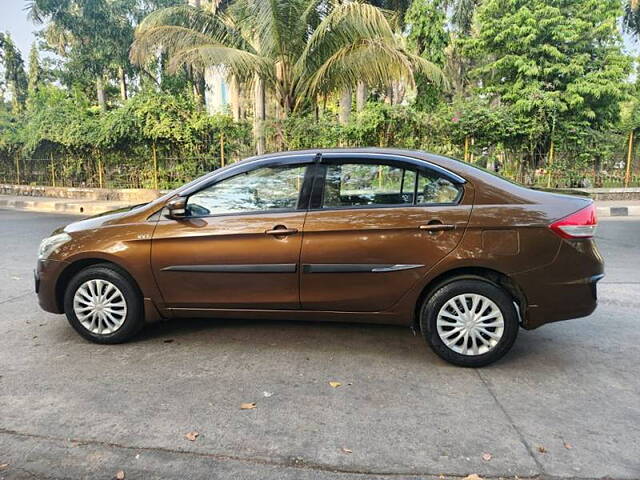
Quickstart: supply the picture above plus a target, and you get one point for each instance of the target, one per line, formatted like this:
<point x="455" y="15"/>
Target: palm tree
<point x="631" y="19"/>
<point x="299" y="49"/>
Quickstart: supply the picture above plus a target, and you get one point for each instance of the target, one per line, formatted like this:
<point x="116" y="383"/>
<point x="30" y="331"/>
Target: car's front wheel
<point x="469" y="322"/>
<point x="103" y="305"/>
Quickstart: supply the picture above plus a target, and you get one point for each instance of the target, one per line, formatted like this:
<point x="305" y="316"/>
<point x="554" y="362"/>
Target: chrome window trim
<point x="243" y="167"/>
<point x="356" y="267"/>
<point x="399" y="158"/>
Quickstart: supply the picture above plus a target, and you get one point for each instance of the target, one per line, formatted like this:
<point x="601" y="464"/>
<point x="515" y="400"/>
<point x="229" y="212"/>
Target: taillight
<point x="581" y="224"/>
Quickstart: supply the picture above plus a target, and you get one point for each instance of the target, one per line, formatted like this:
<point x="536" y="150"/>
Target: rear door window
<point x="435" y="189"/>
<point x="362" y="184"/>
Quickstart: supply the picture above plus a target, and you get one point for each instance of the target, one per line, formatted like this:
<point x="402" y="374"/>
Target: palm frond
<point x="213" y="25"/>
<point x="170" y="38"/>
<point x="277" y="25"/>
<point x="235" y="61"/>
<point x="430" y="70"/>
<point x="346" y="25"/>
<point x="372" y="61"/>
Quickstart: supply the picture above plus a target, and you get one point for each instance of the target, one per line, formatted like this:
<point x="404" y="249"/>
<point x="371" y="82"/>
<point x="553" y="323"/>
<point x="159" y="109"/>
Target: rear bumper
<point x="46" y="277"/>
<point x="565" y="289"/>
<point x="564" y="302"/>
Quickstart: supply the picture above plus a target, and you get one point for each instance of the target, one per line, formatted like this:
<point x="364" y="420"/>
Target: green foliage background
<point x="538" y="89"/>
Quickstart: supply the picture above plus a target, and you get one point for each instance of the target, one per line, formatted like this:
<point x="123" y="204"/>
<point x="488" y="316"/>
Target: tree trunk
<point x="123" y="83"/>
<point x="214" y="93"/>
<point x="361" y="96"/>
<point x="398" y="92"/>
<point x="388" y="97"/>
<point x="345" y="106"/>
<point x="234" y="88"/>
<point x="100" y="91"/>
<point x="259" y="114"/>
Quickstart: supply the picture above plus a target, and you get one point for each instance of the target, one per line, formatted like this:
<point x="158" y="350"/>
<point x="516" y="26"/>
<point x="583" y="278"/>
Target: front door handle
<point x="437" y="227"/>
<point x="279" y="230"/>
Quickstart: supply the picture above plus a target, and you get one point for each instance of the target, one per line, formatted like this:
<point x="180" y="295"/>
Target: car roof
<point x="437" y="162"/>
<point x="442" y="161"/>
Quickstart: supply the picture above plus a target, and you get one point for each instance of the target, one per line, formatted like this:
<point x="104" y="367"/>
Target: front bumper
<point x="46" y="277"/>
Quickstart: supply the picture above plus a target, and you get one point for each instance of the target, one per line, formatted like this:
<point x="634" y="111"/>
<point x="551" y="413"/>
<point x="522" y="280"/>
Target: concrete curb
<point x="618" y="211"/>
<point x="128" y="195"/>
<point x="60" y="206"/>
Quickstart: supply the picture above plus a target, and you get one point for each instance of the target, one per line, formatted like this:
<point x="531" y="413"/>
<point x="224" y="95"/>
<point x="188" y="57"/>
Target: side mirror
<point x="177" y="208"/>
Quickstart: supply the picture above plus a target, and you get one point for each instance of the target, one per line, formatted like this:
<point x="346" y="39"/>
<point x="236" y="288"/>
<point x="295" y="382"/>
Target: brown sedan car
<point x="362" y="235"/>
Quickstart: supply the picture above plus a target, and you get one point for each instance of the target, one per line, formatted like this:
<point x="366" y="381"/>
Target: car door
<point x="239" y="246"/>
<point x="376" y="225"/>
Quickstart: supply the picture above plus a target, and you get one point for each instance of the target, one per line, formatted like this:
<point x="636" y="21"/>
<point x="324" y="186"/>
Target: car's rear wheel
<point x="469" y="322"/>
<point x="103" y="305"/>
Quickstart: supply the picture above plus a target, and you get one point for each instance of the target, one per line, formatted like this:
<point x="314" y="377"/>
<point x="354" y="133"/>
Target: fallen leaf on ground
<point x="346" y="450"/>
<point x="120" y="475"/>
<point x="335" y="384"/>
<point x="568" y="446"/>
<point x="542" y="449"/>
<point x="248" y="406"/>
<point x="487" y="456"/>
<point x="191" y="436"/>
<point x="473" y="476"/>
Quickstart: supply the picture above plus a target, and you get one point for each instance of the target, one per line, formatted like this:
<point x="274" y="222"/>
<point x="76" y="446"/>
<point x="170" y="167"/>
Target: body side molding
<point x="355" y="267"/>
<point x="252" y="268"/>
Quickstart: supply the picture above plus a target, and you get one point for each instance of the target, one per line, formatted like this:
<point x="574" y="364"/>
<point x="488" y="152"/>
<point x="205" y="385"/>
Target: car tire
<point x="106" y="296"/>
<point x="469" y="322"/>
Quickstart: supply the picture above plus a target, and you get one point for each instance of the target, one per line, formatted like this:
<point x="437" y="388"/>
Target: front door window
<point x="261" y="190"/>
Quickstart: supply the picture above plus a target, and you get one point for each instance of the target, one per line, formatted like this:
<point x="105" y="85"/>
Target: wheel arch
<point x="489" y="275"/>
<point x="80" y="264"/>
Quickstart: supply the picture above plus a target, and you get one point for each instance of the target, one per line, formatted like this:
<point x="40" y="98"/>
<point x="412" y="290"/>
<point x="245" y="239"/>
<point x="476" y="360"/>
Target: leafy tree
<point x="557" y="63"/>
<point x="14" y="75"/>
<point x="425" y="22"/>
<point x="93" y="37"/>
<point x="88" y="33"/>
<point x="462" y="15"/>
<point x="35" y="75"/>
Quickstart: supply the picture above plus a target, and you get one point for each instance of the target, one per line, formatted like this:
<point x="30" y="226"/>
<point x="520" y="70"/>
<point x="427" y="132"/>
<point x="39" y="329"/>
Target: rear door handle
<point x="281" y="230"/>
<point x="437" y="227"/>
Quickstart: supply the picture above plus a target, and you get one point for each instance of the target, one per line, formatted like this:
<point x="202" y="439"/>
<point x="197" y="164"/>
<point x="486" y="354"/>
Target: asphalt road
<point x="565" y="403"/>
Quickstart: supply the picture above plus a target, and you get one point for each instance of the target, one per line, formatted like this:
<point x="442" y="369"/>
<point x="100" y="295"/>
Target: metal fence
<point x="165" y="172"/>
<point x="170" y="172"/>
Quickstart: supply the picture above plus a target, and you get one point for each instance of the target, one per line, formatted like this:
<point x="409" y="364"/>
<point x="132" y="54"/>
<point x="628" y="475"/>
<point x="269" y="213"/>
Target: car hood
<point x="96" y="221"/>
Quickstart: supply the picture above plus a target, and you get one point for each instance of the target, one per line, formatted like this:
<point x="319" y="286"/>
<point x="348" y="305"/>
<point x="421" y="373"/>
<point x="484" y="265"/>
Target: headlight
<point x="51" y="244"/>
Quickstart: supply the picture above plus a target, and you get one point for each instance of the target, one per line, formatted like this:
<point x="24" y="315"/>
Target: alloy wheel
<point x="470" y="324"/>
<point x="100" y="306"/>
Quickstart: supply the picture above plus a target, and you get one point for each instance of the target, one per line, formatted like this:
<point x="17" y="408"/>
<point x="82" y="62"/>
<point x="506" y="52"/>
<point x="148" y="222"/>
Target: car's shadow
<point x="319" y="337"/>
<point x="289" y="334"/>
